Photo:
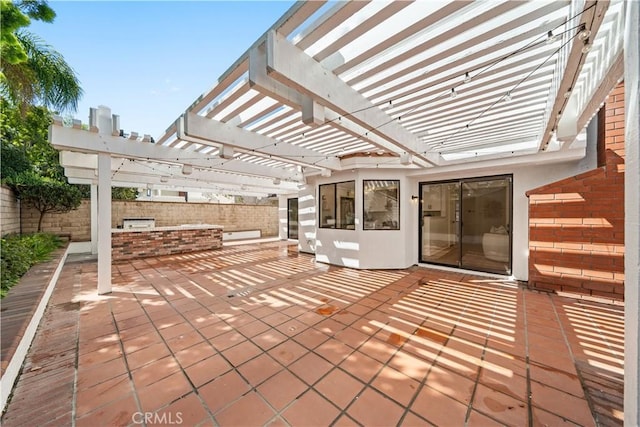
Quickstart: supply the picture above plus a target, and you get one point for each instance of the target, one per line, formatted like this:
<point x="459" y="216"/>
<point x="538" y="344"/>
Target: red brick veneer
<point x="576" y="225"/>
<point x="146" y="243"/>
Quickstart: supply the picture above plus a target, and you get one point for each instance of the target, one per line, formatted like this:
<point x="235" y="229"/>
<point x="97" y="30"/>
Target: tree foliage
<point x="32" y="72"/>
<point x="12" y="20"/>
<point x="26" y="139"/>
<point x="124" y="193"/>
<point x="45" y="194"/>
<point x="14" y="161"/>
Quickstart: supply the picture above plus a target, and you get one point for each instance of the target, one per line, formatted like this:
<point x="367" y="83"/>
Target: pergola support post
<point x="104" y="223"/>
<point x="94" y="219"/>
<point x="105" y="127"/>
<point x="632" y="214"/>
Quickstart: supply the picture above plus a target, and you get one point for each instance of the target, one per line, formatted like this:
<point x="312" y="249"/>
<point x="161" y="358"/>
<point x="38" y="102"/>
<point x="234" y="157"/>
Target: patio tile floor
<point x="261" y="335"/>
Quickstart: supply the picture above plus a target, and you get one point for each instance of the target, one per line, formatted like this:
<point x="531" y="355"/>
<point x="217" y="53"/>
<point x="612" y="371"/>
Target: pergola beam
<point x="63" y="138"/>
<point x="87" y="176"/>
<point x="121" y="166"/>
<point x="292" y="67"/>
<point x="135" y="180"/>
<point x="593" y="14"/>
<point x="204" y="129"/>
<point x="261" y="81"/>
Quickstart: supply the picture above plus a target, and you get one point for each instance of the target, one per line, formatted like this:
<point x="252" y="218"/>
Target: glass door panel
<point x="439" y="206"/>
<point x="292" y="218"/>
<point x="486" y="225"/>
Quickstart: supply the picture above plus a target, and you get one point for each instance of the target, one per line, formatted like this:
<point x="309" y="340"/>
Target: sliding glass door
<point x="467" y="223"/>
<point x="440" y="223"/>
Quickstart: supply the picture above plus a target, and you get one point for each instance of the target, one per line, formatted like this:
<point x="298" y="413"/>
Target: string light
<point x="584" y="33"/>
<point x="550" y="37"/>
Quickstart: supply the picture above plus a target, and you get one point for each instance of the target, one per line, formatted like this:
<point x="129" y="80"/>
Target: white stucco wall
<point x="525" y="178"/>
<point x="390" y="249"/>
<point x="307" y="219"/>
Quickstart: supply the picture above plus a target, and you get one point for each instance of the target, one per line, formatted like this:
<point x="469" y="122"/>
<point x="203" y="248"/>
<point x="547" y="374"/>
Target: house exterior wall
<point x="232" y="217"/>
<point x="526" y="176"/>
<point x="576" y="225"/>
<point x="399" y="248"/>
<point x="9" y="212"/>
<point x="307" y="219"/>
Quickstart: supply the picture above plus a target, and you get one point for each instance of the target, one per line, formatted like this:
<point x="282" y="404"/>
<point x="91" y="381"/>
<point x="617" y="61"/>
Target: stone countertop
<point x="169" y="228"/>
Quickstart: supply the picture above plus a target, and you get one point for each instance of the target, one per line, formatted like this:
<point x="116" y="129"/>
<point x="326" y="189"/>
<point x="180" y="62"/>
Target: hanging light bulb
<point x="587" y="46"/>
<point x="453" y="92"/>
<point x="467" y="77"/>
<point x="584" y="33"/>
<point x="550" y="37"/>
<point x="507" y="97"/>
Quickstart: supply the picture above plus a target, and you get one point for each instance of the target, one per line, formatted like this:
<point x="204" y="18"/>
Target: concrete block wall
<point x="234" y="217"/>
<point x="9" y="212"/>
<point x="576" y="225"/>
<point x="76" y="223"/>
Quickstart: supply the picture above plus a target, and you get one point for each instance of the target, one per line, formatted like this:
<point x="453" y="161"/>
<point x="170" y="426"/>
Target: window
<point x="381" y="207"/>
<point x="337" y="205"/>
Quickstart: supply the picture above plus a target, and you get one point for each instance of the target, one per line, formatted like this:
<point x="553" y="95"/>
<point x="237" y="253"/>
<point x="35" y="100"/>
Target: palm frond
<point x="54" y="83"/>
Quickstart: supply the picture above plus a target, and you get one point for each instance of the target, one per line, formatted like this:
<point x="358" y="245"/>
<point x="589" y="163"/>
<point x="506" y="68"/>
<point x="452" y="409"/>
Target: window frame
<point x="364" y="210"/>
<point x="335" y="206"/>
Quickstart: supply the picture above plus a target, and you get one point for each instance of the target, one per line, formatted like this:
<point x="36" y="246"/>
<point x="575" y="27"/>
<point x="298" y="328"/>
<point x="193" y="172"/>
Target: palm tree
<point x="40" y="75"/>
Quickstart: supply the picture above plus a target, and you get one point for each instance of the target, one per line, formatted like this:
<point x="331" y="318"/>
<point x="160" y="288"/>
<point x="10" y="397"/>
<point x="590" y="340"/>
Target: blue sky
<point x="149" y="60"/>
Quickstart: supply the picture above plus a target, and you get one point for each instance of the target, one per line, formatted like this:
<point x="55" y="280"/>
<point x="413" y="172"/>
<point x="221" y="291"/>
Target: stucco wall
<point x="9" y="212"/>
<point x="235" y="217"/>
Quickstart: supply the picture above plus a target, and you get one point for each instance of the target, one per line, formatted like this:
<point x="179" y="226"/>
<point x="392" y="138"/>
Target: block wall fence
<point x="9" y="212"/>
<point x="233" y="217"/>
<point x="576" y="225"/>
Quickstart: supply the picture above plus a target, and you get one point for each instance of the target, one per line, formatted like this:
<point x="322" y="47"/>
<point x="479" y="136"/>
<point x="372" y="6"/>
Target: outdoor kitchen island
<point x="134" y="243"/>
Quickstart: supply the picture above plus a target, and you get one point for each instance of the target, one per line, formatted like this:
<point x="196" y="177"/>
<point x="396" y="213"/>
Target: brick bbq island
<point x="134" y="243"/>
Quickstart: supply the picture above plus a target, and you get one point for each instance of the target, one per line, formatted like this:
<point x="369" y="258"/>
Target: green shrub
<point x="19" y="253"/>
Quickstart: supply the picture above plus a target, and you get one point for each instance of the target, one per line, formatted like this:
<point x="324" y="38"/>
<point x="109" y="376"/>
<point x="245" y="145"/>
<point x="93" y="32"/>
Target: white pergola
<point x="375" y="84"/>
<point x="414" y="85"/>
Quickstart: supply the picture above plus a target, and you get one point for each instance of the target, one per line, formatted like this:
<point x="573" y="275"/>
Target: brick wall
<point x="576" y="226"/>
<point x="127" y="245"/>
<point x="9" y="212"/>
<point x="232" y="217"/>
